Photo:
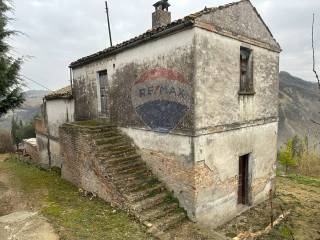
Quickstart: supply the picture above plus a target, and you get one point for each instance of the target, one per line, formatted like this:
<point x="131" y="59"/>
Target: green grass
<point x="305" y="180"/>
<point x="75" y="217"/>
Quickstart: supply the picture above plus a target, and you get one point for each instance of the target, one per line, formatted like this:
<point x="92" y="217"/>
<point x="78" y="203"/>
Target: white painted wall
<point x="59" y="111"/>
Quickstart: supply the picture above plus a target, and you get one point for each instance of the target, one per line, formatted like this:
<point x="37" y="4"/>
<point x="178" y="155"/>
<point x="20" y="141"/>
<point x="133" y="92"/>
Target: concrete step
<point x="158" y="212"/>
<point x="99" y="130"/>
<point x="147" y="192"/>
<point x="123" y="145"/>
<point x="142" y="181"/>
<point x="116" y="154"/>
<point x="140" y="184"/>
<point x="134" y="169"/>
<point x="170" y="221"/>
<point x="126" y="179"/>
<point x="105" y="134"/>
<point x="109" y="140"/>
<point x="122" y="160"/>
<point x="130" y="165"/>
<point x="149" y="202"/>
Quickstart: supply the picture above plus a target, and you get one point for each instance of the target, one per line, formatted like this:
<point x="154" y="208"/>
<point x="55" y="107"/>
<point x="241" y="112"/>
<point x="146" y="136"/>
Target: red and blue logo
<point x="161" y="97"/>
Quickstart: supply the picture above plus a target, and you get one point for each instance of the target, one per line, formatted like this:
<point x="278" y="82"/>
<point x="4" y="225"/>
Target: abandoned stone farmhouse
<point x="190" y="107"/>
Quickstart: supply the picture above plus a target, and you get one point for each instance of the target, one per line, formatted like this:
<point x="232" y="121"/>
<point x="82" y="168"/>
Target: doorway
<point x="243" y="189"/>
<point x="103" y="79"/>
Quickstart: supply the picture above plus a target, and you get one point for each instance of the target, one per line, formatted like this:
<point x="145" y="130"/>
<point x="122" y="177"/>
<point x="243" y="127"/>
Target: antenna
<point x="107" y="11"/>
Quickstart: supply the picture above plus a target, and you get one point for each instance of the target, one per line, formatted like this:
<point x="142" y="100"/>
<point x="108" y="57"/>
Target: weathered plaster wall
<point x="217" y="102"/>
<point x="58" y="112"/>
<point x="175" y="52"/>
<point x="241" y="19"/>
<point x="229" y="125"/>
<point x="30" y="149"/>
<point x="217" y="203"/>
<point x="42" y="143"/>
<point x="199" y="159"/>
<point x="171" y="159"/>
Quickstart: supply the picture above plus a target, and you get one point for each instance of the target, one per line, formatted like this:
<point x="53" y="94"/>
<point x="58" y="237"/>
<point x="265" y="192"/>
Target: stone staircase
<point x="146" y="198"/>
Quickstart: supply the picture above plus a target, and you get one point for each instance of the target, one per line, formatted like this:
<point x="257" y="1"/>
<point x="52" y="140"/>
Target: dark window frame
<point x="246" y="71"/>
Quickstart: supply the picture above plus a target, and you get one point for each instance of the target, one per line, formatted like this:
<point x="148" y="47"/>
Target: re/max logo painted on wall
<point x="163" y="90"/>
<point x="161" y="97"/>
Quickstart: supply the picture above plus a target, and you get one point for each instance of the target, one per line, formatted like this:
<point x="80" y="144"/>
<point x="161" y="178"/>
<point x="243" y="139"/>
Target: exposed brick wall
<point x="184" y="180"/>
<point x="82" y="168"/>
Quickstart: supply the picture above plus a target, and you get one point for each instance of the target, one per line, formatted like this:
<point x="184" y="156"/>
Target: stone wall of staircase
<point x="104" y="161"/>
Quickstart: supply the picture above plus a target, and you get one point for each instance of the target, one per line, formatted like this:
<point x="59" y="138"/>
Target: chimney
<point x="161" y="16"/>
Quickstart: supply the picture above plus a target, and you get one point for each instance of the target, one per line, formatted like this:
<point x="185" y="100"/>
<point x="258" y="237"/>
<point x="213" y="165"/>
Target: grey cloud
<point x="60" y="31"/>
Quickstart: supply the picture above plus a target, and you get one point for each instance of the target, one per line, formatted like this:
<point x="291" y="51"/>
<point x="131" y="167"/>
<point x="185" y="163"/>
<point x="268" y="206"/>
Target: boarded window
<point x="246" y="71"/>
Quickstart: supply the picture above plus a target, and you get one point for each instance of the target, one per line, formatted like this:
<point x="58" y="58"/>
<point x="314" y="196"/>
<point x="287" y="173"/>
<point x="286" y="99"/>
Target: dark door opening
<point x="243" y="190"/>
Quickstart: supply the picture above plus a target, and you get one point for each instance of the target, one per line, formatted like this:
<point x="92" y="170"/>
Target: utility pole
<point x="107" y="11"/>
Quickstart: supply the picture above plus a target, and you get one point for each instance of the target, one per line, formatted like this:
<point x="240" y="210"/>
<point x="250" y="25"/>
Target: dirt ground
<point x="42" y="203"/>
<point x="297" y="195"/>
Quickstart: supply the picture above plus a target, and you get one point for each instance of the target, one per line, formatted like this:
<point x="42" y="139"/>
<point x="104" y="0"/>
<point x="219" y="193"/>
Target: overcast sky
<point x="57" y="32"/>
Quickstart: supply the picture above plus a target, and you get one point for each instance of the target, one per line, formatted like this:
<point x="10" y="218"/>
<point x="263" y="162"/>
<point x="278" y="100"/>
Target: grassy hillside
<point x="299" y="105"/>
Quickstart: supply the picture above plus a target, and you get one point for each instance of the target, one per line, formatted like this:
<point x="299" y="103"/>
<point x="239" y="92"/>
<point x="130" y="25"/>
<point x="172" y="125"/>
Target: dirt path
<point x="19" y="219"/>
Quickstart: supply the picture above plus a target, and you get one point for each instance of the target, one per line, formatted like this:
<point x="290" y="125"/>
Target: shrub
<point x="298" y="154"/>
<point x="6" y="144"/>
<point x="286" y="156"/>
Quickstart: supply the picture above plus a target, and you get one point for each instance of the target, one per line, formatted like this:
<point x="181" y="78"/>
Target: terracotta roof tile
<point x="64" y="92"/>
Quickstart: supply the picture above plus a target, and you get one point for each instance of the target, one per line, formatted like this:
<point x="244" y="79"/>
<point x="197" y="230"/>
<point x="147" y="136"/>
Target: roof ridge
<point x="150" y="33"/>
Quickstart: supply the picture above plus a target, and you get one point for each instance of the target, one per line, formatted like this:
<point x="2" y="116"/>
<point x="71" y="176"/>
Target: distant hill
<point x="29" y="109"/>
<point x="299" y="106"/>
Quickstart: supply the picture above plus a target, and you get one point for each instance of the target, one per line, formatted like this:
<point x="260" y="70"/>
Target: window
<point x="246" y="71"/>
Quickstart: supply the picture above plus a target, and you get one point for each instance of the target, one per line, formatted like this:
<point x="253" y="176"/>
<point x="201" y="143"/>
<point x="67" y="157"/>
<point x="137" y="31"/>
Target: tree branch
<point x="313" y="54"/>
<point x="315" y="122"/>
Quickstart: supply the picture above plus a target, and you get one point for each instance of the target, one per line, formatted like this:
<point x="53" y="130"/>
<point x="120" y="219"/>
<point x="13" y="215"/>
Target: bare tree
<point x="313" y="54"/>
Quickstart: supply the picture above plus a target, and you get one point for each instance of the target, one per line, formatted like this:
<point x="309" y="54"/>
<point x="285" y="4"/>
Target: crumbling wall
<point x="171" y="159"/>
<point x="218" y="202"/>
<point x="229" y="125"/>
<point x="80" y="165"/>
<point x="30" y="149"/>
<point x="42" y="143"/>
<point x="56" y="113"/>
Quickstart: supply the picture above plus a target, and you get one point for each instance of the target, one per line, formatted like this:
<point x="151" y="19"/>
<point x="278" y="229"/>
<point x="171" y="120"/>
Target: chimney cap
<point x="163" y="4"/>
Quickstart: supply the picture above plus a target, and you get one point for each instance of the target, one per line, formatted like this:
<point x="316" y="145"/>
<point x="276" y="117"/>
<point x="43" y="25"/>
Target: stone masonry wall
<point x="80" y="166"/>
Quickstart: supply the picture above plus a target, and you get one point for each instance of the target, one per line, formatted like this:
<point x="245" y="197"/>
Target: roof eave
<point x="112" y="51"/>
